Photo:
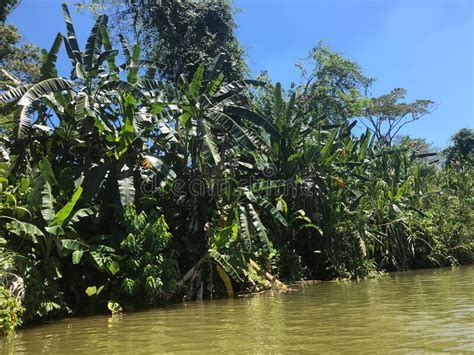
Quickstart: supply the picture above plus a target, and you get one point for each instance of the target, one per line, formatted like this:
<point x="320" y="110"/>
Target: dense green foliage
<point x="19" y="60"/>
<point x="10" y="311"/>
<point x="120" y="191"/>
<point x="462" y="150"/>
<point x="180" y="35"/>
<point x="6" y="7"/>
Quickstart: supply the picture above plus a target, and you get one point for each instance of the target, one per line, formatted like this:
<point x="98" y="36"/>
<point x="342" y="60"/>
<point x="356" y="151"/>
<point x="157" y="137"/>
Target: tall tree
<point x="331" y="85"/>
<point x="385" y="115"/>
<point x="462" y="149"/>
<point x="18" y="59"/>
<point x="21" y="61"/>
<point x="6" y="6"/>
<point x="180" y="35"/>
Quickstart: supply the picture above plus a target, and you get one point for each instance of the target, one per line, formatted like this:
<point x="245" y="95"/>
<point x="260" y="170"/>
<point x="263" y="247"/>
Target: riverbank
<point x="276" y="289"/>
<point x="122" y="188"/>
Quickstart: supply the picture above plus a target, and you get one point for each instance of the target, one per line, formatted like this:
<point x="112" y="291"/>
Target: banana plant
<point x="99" y="121"/>
<point x="241" y="234"/>
<point x="57" y="224"/>
<point x="215" y="114"/>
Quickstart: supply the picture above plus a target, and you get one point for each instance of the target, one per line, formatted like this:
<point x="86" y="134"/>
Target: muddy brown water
<point x="416" y="311"/>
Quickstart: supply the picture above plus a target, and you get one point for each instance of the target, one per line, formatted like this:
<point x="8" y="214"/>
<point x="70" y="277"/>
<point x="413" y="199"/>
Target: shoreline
<point x="269" y="292"/>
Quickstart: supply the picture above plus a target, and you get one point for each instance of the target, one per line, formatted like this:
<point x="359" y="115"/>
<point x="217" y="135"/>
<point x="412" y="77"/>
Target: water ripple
<point x="423" y="311"/>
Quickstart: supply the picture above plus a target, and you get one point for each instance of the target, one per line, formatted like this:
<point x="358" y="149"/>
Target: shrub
<point x="11" y="311"/>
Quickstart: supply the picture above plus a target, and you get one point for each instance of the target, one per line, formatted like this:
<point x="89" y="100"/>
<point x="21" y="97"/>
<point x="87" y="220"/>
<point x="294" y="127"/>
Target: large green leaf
<point x="290" y="107"/>
<point x="127" y="132"/>
<point x="257" y="139"/>
<point x="94" y="291"/>
<point x="271" y="210"/>
<point x="94" y="42"/>
<point x="224" y="263"/>
<point x="74" y="245"/>
<point x="238" y="85"/>
<point x="253" y="117"/>
<point x="80" y="108"/>
<point x="47" y="202"/>
<point x="329" y="144"/>
<point x="122" y="87"/>
<point x="244" y="228"/>
<point x="94" y="181"/>
<point x="64" y="212"/>
<point x="106" y="55"/>
<point x="71" y="39"/>
<point x="48" y="69"/>
<point x="6" y="158"/>
<point x="233" y="89"/>
<point x="209" y="145"/>
<point x="72" y="57"/>
<point x="111" y="58"/>
<point x="125" y="48"/>
<point x="126" y="185"/>
<point x="151" y="67"/>
<point x="14" y="93"/>
<point x="78" y="215"/>
<point x="132" y="75"/>
<point x="34" y="93"/>
<point x="214" y="85"/>
<point x="14" y="79"/>
<point x="158" y="90"/>
<point x="215" y="67"/>
<point x="234" y="129"/>
<point x="25" y="230"/>
<point x="365" y="140"/>
<point x="79" y="72"/>
<point x="195" y="85"/>
<point x="277" y="99"/>
<point x="77" y="256"/>
<point x="259" y="226"/>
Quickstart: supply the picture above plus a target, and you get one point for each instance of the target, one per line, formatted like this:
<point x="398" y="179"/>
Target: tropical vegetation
<point x="122" y="187"/>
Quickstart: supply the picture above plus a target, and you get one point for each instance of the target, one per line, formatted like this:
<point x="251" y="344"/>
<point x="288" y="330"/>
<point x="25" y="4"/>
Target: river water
<point x="416" y="311"/>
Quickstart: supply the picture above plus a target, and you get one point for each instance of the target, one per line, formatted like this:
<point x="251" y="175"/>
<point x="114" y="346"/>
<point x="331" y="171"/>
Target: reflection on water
<point x="429" y="310"/>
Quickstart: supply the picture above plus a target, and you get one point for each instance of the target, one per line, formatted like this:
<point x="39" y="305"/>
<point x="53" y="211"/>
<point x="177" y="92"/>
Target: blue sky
<point x="425" y="46"/>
